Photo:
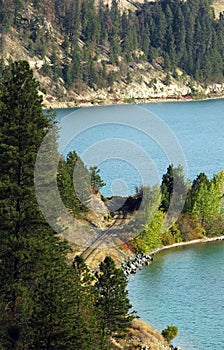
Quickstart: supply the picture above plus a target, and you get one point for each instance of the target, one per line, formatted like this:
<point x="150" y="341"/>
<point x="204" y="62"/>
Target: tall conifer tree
<point x="38" y="289"/>
<point x="112" y="301"/>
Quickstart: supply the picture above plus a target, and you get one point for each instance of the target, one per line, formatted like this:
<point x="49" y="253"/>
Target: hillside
<point x="218" y="6"/>
<point x="88" y="52"/>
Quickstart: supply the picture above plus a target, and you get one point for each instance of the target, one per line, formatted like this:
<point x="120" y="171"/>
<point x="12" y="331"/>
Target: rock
<point x="135" y="263"/>
<point x="97" y="210"/>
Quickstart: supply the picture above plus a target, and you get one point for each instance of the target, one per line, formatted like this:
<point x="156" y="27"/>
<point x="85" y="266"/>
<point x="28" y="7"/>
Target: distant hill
<point x="97" y="51"/>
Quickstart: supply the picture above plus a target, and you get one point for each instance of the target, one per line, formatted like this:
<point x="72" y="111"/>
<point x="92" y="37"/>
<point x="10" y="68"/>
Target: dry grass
<point x="140" y="335"/>
<point x="218" y="7"/>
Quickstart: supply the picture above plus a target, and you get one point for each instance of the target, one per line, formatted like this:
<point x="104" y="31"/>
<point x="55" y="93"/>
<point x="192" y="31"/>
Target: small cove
<point x="185" y="287"/>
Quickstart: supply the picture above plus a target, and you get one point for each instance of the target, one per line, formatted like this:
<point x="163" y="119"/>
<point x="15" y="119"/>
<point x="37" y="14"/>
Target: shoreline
<point x="104" y="103"/>
<point x="181" y="244"/>
<point x="137" y="261"/>
<point x="193" y="242"/>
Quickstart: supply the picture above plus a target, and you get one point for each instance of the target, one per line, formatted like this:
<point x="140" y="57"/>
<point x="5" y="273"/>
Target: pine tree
<point x="22" y="127"/>
<point x="160" y="25"/>
<point x="73" y="182"/>
<point x="96" y="182"/>
<point x="173" y="188"/>
<point x="39" y="291"/>
<point x="112" y="299"/>
<point x="179" y="33"/>
<point x="55" y="298"/>
<point x="170" y="50"/>
<point x="89" y="323"/>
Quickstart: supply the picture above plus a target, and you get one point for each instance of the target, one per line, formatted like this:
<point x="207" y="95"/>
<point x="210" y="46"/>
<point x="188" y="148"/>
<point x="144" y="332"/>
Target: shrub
<point x="170" y="333"/>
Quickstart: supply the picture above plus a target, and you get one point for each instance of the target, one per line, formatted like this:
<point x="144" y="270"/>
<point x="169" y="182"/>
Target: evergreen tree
<point x="89" y="323"/>
<point x="22" y="125"/>
<point x="39" y="291"/>
<point x="170" y="333"/>
<point x="179" y="33"/>
<point x="96" y="182"/>
<point x="114" y="33"/>
<point x="112" y="301"/>
<point x="167" y="187"/>
<point x="92" y="73"/>
<point x="72" y="19"/>
<point x="146" y="42"/>
<point x="72" y="180"/>
<point x="56" y="67"/>
<point x="173" y="187"/>
<point x="170" y="50"/>
<point x="158" y="30"/>
<point x="188" y="54"/>
<point x="55" y="298"/>
<point x="76" y="66"/>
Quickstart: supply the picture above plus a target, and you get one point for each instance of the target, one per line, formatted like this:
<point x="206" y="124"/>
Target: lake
<point x="134" y="153"/>
<point x="184" y="287"/>
<point x="133" y="145"/>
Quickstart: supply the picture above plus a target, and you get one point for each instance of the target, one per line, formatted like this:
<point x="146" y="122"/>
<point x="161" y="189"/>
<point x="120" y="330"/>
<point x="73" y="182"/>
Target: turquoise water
<point x="184" y="287"/>
<point x="197" y="126"/>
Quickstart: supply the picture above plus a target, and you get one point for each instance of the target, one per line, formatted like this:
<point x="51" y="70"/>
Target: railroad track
<point x="105" y="234"/>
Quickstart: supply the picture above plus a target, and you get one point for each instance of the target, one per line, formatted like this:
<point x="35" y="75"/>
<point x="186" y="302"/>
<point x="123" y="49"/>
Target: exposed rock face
<point x="216" y="89"/>
<point x="98" y="210"/>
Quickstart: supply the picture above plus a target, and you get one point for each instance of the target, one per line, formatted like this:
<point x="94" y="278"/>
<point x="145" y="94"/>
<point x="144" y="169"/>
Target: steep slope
<point x="86" y="52"/>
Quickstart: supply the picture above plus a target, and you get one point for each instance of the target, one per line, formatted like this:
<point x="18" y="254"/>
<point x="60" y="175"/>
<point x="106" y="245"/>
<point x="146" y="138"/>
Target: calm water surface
<point x="184" y="287"/>
<point x="198" y="126"/>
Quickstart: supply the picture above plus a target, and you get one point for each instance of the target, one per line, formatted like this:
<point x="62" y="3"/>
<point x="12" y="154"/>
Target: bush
<point x="170" y="333"/>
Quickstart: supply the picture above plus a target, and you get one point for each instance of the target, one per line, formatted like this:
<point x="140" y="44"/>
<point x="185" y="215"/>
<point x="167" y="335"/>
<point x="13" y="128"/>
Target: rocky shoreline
<point x="136" y="262"/>
<point x="73" y="104"/>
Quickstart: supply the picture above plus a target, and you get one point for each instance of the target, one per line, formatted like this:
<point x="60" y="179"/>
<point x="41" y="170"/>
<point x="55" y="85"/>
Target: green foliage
<point x="184" y="33"/>
<point x="22" y="128"/>
<point x="44" y="303"/>
<point x="112" y="299"/>
<point x="33" y="271"/>
<point x="202" y="212"/>
<point x="170" y="333"/>
<point x="204" y="200"/>
<point x="73" y="180"/>
<point x="172" y="235"/>
<point x="190" y="227"/>
<point x="96" y="182"/>
<point x="151" y="202"/>
<point x="88" y="325"/>
<point x="173" y="187"/>
<point x="151" y="237"/>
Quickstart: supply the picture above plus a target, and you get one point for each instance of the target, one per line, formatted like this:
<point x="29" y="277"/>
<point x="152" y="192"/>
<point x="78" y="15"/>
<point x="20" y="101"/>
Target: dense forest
<point x="96" y="40"/>
<point x="45" y="302"/>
